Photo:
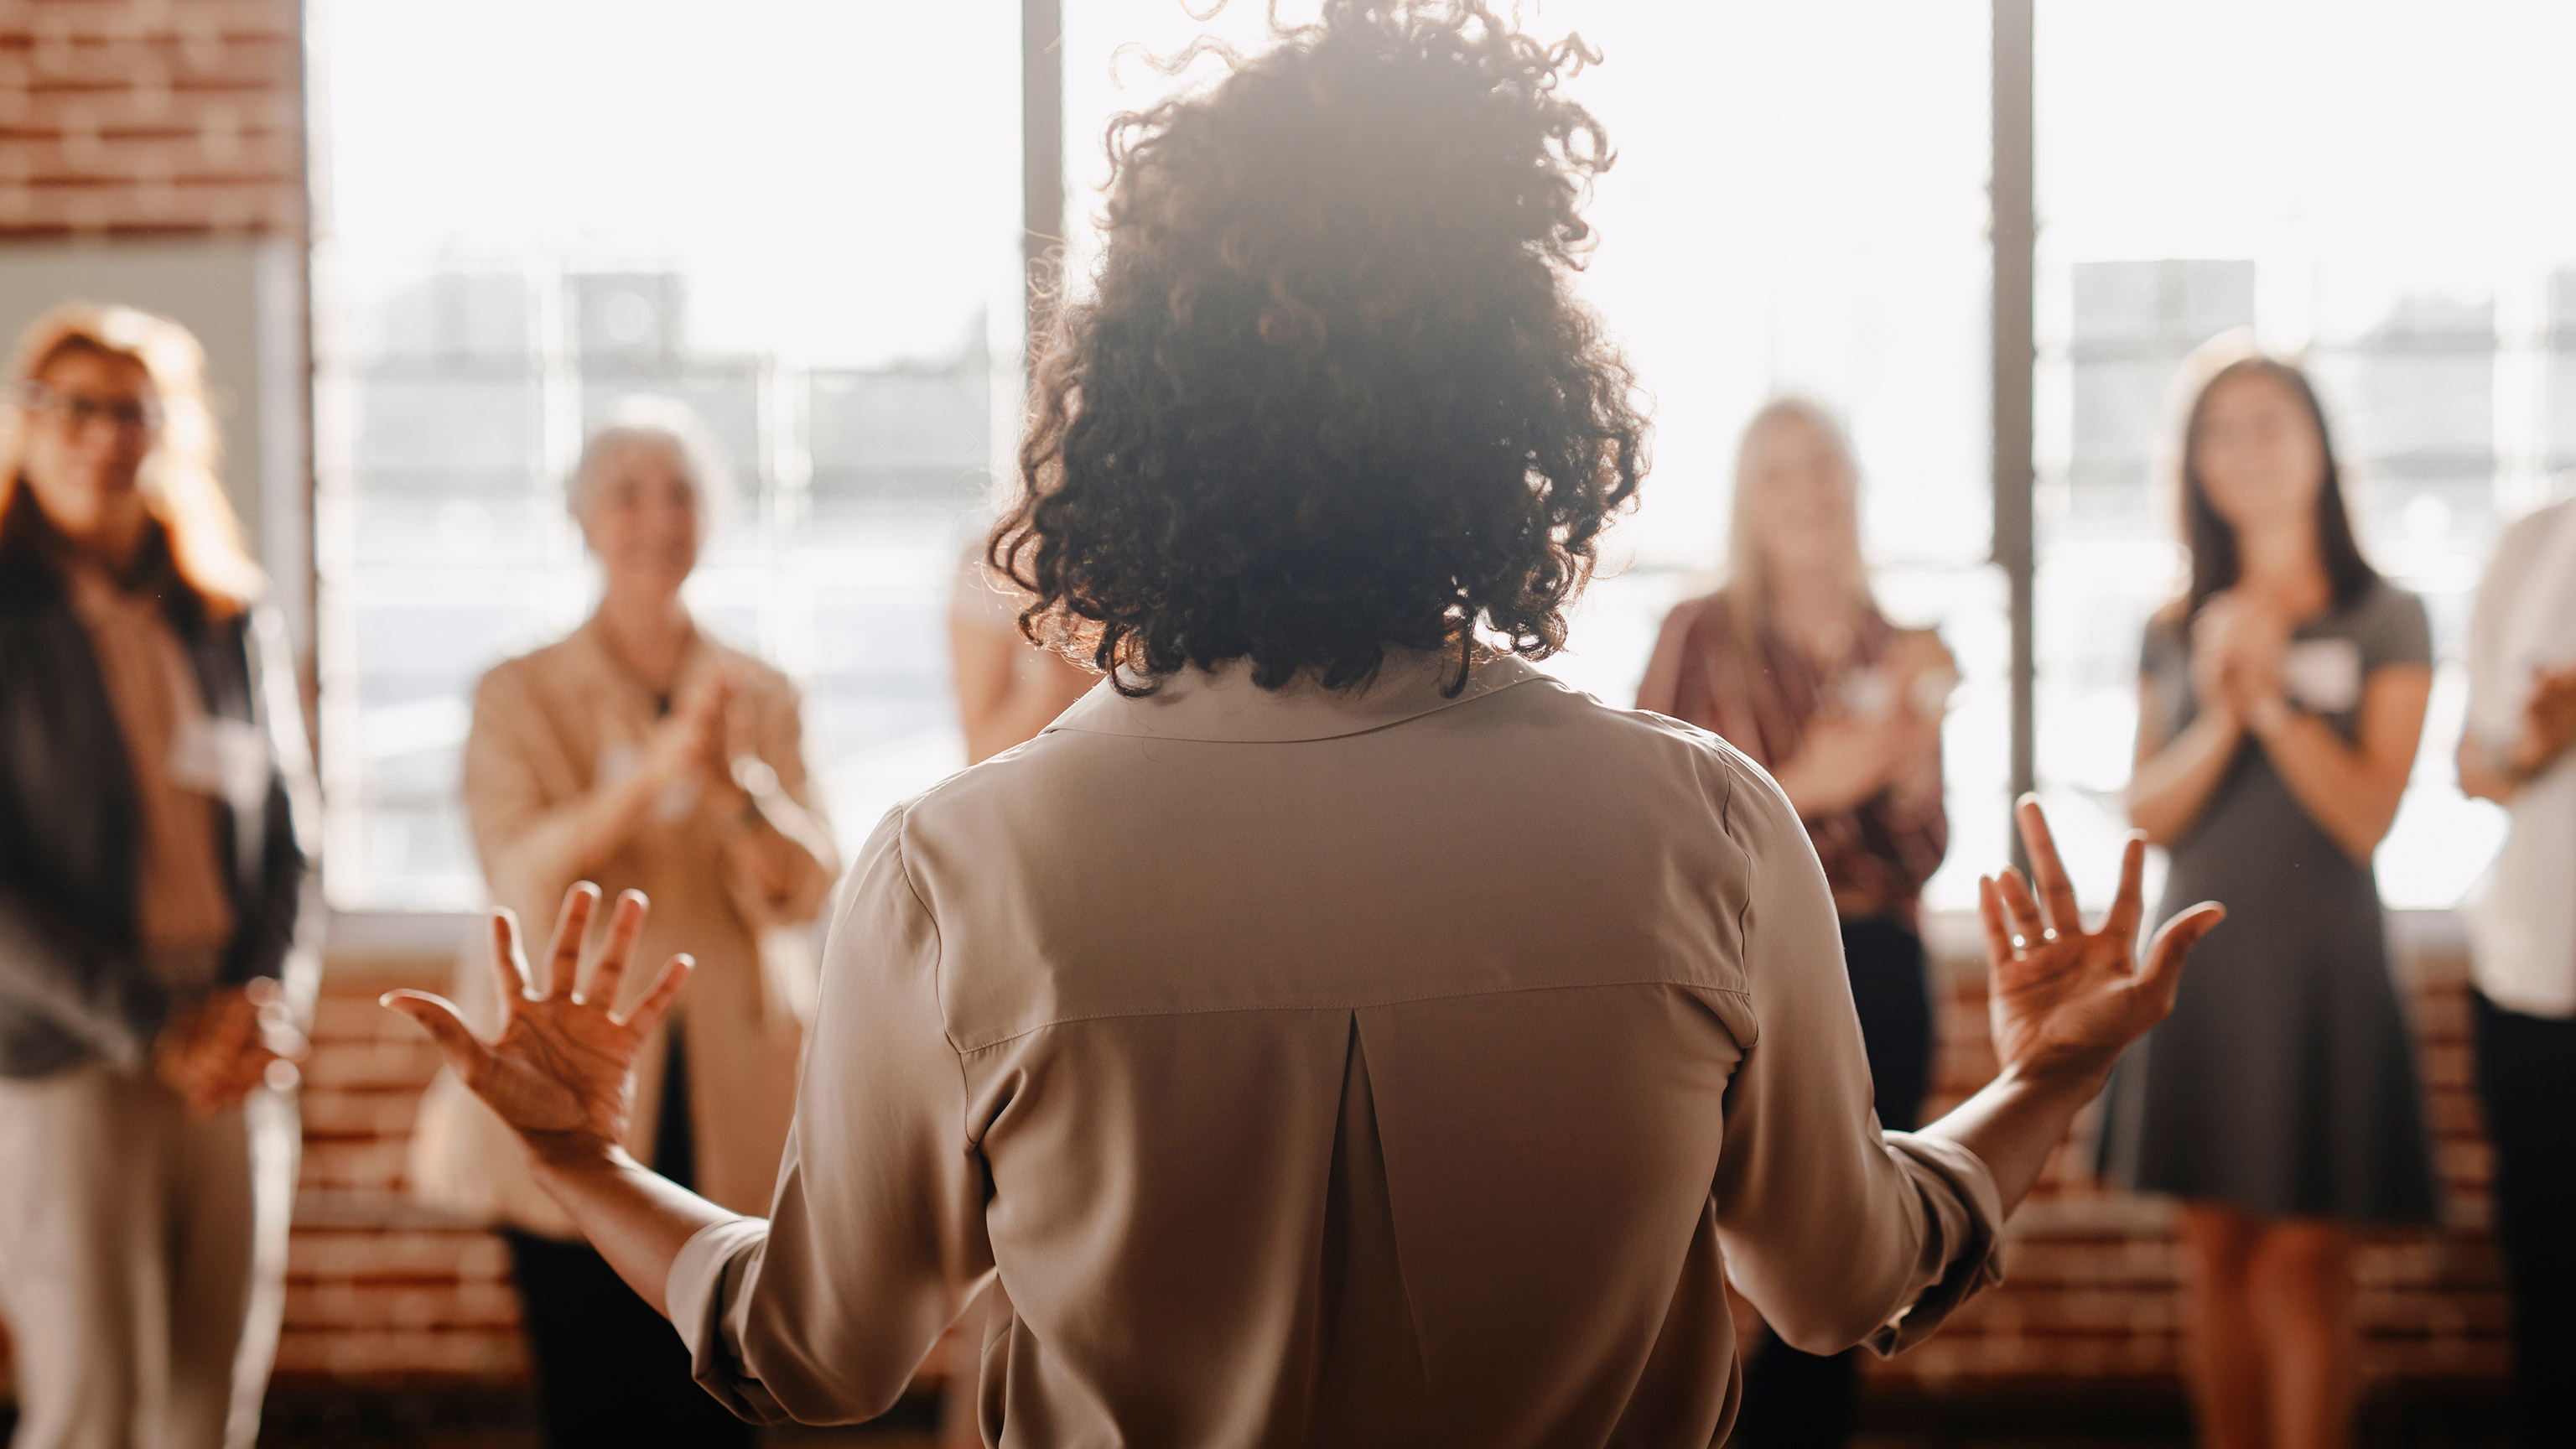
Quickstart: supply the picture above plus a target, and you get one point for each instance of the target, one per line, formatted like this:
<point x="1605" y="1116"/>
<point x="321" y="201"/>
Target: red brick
<point x="172" y="118"/>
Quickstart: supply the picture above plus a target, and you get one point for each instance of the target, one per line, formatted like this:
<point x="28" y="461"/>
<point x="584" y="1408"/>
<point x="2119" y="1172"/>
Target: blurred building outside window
<point x="846" y="318"/>
<point x="809" y="235"/>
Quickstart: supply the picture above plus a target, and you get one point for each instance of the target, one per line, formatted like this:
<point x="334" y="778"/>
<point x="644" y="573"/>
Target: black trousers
<point x="2527" y="1081"/>
<point x="610" y="1371"/>
<point x="1795" y="1400"/>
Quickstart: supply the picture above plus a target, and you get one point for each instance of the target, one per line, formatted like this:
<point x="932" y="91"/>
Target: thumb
<point x="2162" y="976"/>
<point x="438" y="1016"/>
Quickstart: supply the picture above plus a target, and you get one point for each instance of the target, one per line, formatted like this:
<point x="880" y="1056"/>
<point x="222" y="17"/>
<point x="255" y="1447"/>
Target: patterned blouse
<point x="1876" y="854"/>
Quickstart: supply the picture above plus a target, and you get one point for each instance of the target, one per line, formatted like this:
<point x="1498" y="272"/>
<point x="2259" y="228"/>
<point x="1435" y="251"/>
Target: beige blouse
<point x="1335" y="1069"/>
<point x="549" y="728"/>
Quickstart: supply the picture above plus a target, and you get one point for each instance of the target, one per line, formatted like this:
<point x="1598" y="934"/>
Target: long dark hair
<point x="2216" y="562"/>
<point x="1334" y="393"/>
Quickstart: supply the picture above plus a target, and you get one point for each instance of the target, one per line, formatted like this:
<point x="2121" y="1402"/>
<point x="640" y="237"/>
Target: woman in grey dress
<point x="2281" y="700"/>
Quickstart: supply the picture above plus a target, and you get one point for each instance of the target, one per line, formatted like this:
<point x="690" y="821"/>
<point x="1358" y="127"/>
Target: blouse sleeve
<point x="782" y="748"/>
<point x="875" y="1237"/>
<point x="2164" y="661"/>
<point x="2396" y="630"/>
<point x="1838" y="1232"/>
<point x="1660" y="691"/>
<point x="527" y="841"/>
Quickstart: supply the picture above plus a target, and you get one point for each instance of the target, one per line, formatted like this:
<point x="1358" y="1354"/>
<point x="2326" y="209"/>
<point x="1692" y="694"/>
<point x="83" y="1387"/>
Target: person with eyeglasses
<point x="156" y="835"/>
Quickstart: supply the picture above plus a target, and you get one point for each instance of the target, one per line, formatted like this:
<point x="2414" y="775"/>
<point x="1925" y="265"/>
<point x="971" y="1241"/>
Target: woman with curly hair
<point x="1331" y="1030"/>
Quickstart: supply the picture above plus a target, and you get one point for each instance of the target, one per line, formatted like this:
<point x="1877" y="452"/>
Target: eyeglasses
<point x="77" y="412"/>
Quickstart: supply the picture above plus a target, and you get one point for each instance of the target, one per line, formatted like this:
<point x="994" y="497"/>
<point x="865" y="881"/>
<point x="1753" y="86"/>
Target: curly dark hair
<point x="1331" y="393"/>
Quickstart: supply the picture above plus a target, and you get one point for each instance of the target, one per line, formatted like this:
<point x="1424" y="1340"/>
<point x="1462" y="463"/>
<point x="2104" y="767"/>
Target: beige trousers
<point x="127" y="1237"/>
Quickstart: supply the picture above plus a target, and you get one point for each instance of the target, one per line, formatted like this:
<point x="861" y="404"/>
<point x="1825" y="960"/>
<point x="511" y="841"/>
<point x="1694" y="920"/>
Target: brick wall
<point x="150" y="117"/>
<point x="381" y="1292"/>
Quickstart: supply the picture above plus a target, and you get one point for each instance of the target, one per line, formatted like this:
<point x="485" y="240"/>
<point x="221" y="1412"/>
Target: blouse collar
<point x="1223" y="704"/>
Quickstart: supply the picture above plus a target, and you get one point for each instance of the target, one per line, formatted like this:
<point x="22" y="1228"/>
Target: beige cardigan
<point x="549" y="727"/>
<point x="1351" y="1069"/>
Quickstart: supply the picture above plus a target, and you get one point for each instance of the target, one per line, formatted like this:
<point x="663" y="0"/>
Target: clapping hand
<point x="2066" y="1000"/>
<point x="690" y="742"/>
<point x="2238" y="645"/>
<point x="562" y="1071"/>
<point x="216" y="1049"/>
<point x="2548" y="720"/>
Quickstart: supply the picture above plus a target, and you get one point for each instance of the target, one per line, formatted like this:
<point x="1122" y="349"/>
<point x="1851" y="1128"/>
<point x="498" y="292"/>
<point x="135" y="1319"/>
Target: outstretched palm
<point x="562" y="1070"/>
<point x="2062" y="997"/>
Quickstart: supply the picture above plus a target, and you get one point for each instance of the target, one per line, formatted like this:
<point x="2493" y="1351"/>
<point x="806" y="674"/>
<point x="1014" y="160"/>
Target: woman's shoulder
<point x="533" y="668"/>
<point x="2380" y="601"/>
<point x="754" y="678"/>
<point x="1706" y="619"/>
<point x="2166" y="639"/>
<point x="2391" y="624"/>
<point x="539" y="682"/>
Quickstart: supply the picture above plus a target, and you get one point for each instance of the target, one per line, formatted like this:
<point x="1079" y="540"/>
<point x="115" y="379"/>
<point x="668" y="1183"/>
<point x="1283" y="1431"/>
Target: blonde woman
<point x="644" y="754"/>
<point x="1793" y="663"/>
<point x="153" y="874"/>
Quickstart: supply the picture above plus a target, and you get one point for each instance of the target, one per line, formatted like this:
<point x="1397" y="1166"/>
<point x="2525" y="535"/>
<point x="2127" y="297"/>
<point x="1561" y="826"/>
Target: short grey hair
<point x="660" y="422"/>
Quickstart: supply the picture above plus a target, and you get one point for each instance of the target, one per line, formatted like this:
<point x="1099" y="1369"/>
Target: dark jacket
<point x="73" y="980"/>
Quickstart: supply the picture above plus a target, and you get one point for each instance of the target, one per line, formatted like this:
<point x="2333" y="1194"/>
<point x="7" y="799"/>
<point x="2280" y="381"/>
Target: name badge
<point x="2323" y="676"/>
<point x="225" y="758"/>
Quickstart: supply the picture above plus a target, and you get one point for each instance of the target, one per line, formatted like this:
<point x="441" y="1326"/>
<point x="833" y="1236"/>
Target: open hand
<point x="2068" y="1000"/>
<point x="562" y="1073"/>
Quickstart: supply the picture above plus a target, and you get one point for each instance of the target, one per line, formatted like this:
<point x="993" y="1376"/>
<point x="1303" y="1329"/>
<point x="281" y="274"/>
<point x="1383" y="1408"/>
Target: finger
<point x="438" y="1016"/>
<point x="2162" y="975"/>
<point x="1990" y="908"/>
<point x="285" y="1043"/>
<point x="509" y="963"/>
<point x="2025" y="911"/>
<point x="242" y="1074"/>
<point x="2129" y="906"/>
<point x="658" y="997"/>
<point x="563" y="955"/>
<point x="624" y="924"/>
<point x="2056" y="892"/>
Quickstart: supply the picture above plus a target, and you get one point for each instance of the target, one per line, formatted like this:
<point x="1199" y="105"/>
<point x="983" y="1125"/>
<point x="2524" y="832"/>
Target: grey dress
<point x="2284" y="1082"/>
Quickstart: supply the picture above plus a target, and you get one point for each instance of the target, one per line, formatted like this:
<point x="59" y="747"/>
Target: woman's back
<point x="1303" y="1081"/>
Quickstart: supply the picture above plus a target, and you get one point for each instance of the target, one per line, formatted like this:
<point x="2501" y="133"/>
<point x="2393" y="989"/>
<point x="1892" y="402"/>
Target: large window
<point x="2393" y="211"/>
<point x="809" y="233"/>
